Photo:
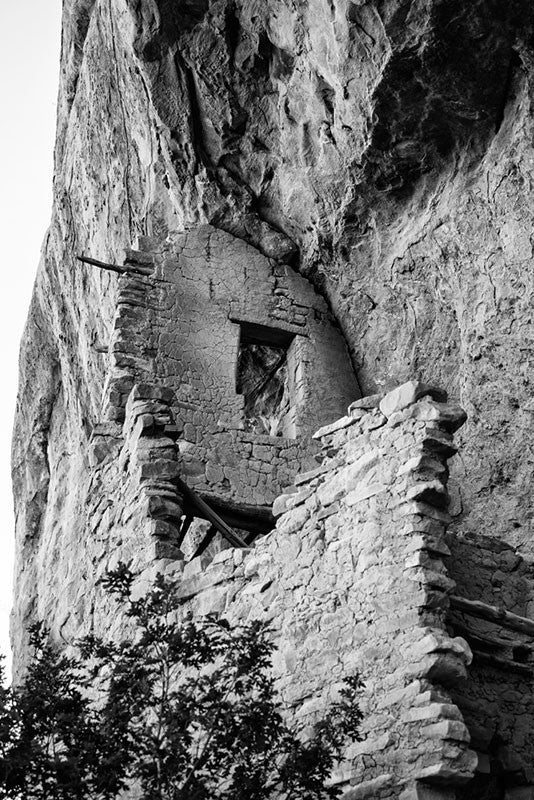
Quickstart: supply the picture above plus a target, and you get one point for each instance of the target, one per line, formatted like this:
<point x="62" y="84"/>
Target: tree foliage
<point x="182" y="710"/>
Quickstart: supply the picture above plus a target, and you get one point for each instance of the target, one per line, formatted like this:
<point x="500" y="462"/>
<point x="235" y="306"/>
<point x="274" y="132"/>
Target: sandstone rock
<point x="365" y="403"/>
<point x="432" y="711"/>
<point x="288" y="129"/>
<point x="405" y="395"/>
<point x="280" y="505"/>
<point x="447" y="774"/>
<point x="164" y="508"/>
<point x="363" y="493"/>
<point x="368" y="789"/>
<point x="338" y="425"/>
<point x="447" y="729"/>
<point x="148" y="391"/>
<point x="445" y="415"/>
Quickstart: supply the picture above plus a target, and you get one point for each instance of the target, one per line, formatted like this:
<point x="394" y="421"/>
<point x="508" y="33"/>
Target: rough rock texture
<point x="352" y="577"/>
<point x="390" y="142"/>
<point x="384" y="151"/>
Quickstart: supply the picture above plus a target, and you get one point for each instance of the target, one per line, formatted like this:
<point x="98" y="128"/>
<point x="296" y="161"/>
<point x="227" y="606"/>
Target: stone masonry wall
<point x="180" y="326"/>
<point x="385" y="149"/>
<point x="170" y="328"/>
<point x="355" y="576"/>
<point x="497" y="702"/>
<point x="352" y="577"/>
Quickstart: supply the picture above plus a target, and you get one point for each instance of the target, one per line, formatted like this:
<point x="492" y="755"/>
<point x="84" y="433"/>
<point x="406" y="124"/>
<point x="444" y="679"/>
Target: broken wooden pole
<point x="186" y="524"/>
<point x="208" y="513"/>
<point x="503" y="664"/>
<point x="257" y="520"/>
<point x="111" y="267"/>
<point x="476" y="608"/>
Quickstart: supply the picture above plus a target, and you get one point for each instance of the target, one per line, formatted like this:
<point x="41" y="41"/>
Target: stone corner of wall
<point x="382" y="485"/>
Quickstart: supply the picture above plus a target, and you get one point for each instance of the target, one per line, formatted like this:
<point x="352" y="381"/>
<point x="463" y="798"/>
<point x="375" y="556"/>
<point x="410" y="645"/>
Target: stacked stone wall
<point x="497" y="702"/>
<point x="180" y="326"/>
<point x="356" y="576"/>
<point x="352" y="578"/>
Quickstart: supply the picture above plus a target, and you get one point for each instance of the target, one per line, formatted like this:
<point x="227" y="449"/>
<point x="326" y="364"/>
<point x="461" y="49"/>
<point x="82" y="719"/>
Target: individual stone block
<point x="293" y="520"/>
<point x="447" y="729"/>
<point x="439" y="442"/>
<point x="364" y="493"/>
<point x="405" y="395"/>
<point x="164" y="508"/>
<point x="432" y="711"/>
<point x="338" y="425"/>
<point x="161" y="469"/>
<point x="445" y="415"/>
<point x="432" y="492"/>
<point x="150" y="391"/>
<point x="415" y="508"/>
<point x="280" y="505"/>
<point x="437" y="641"/>
<point x="368" y="789"/>
<point x="450" y="772"/>
<point x="332" y="490"/>
<point x="365" y="403"/>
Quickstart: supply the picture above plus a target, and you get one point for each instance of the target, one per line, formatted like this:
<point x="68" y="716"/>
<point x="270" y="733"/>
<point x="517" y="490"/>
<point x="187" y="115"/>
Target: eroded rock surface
<point x="382" y="149"/>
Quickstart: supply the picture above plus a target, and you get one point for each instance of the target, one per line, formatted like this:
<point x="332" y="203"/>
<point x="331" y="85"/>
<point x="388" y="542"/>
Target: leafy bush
<point x="183" y="710"/>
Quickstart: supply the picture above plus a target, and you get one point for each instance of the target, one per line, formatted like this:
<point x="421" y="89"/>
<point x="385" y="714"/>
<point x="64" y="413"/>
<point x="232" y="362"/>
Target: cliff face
<point x="346" y="186"/>
<point x="383" y="150"/>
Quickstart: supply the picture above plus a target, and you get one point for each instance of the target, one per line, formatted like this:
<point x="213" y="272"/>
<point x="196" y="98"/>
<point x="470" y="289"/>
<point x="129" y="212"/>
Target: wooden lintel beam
<point x="481" y="641"/>
<point x="476" y="608"/>
<point x="248" y="517"/>
<point x="503" y="664"/>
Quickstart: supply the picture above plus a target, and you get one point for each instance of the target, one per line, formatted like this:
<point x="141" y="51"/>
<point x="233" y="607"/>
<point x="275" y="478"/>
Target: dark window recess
<point x="521" y="653"/>
<point x="262" y="377"/>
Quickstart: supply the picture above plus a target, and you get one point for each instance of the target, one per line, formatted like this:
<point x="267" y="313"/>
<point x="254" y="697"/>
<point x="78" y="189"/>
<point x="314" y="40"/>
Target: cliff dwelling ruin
<point x="307" y="393"/>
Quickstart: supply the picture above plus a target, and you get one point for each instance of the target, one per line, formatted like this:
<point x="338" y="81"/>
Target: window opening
<point x="262" y="378"/>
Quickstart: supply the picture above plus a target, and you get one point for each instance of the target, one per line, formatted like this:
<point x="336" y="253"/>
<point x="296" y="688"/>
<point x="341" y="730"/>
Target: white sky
<point x="29" y="69"/>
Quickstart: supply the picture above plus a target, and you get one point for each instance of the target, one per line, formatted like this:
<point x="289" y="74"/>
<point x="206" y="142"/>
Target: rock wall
<point x="497" y="702"/>
<point x="356" y="575"/>
<point x="352" y="577"/>
<point x="181" y="308"/>
<point x="383" y="152"/>
<point x="182" y="324"/>
<point x="382" y="148"/>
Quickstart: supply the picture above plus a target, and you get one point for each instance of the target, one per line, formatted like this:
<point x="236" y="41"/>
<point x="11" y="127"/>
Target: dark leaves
<point x="185" y="709"/>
